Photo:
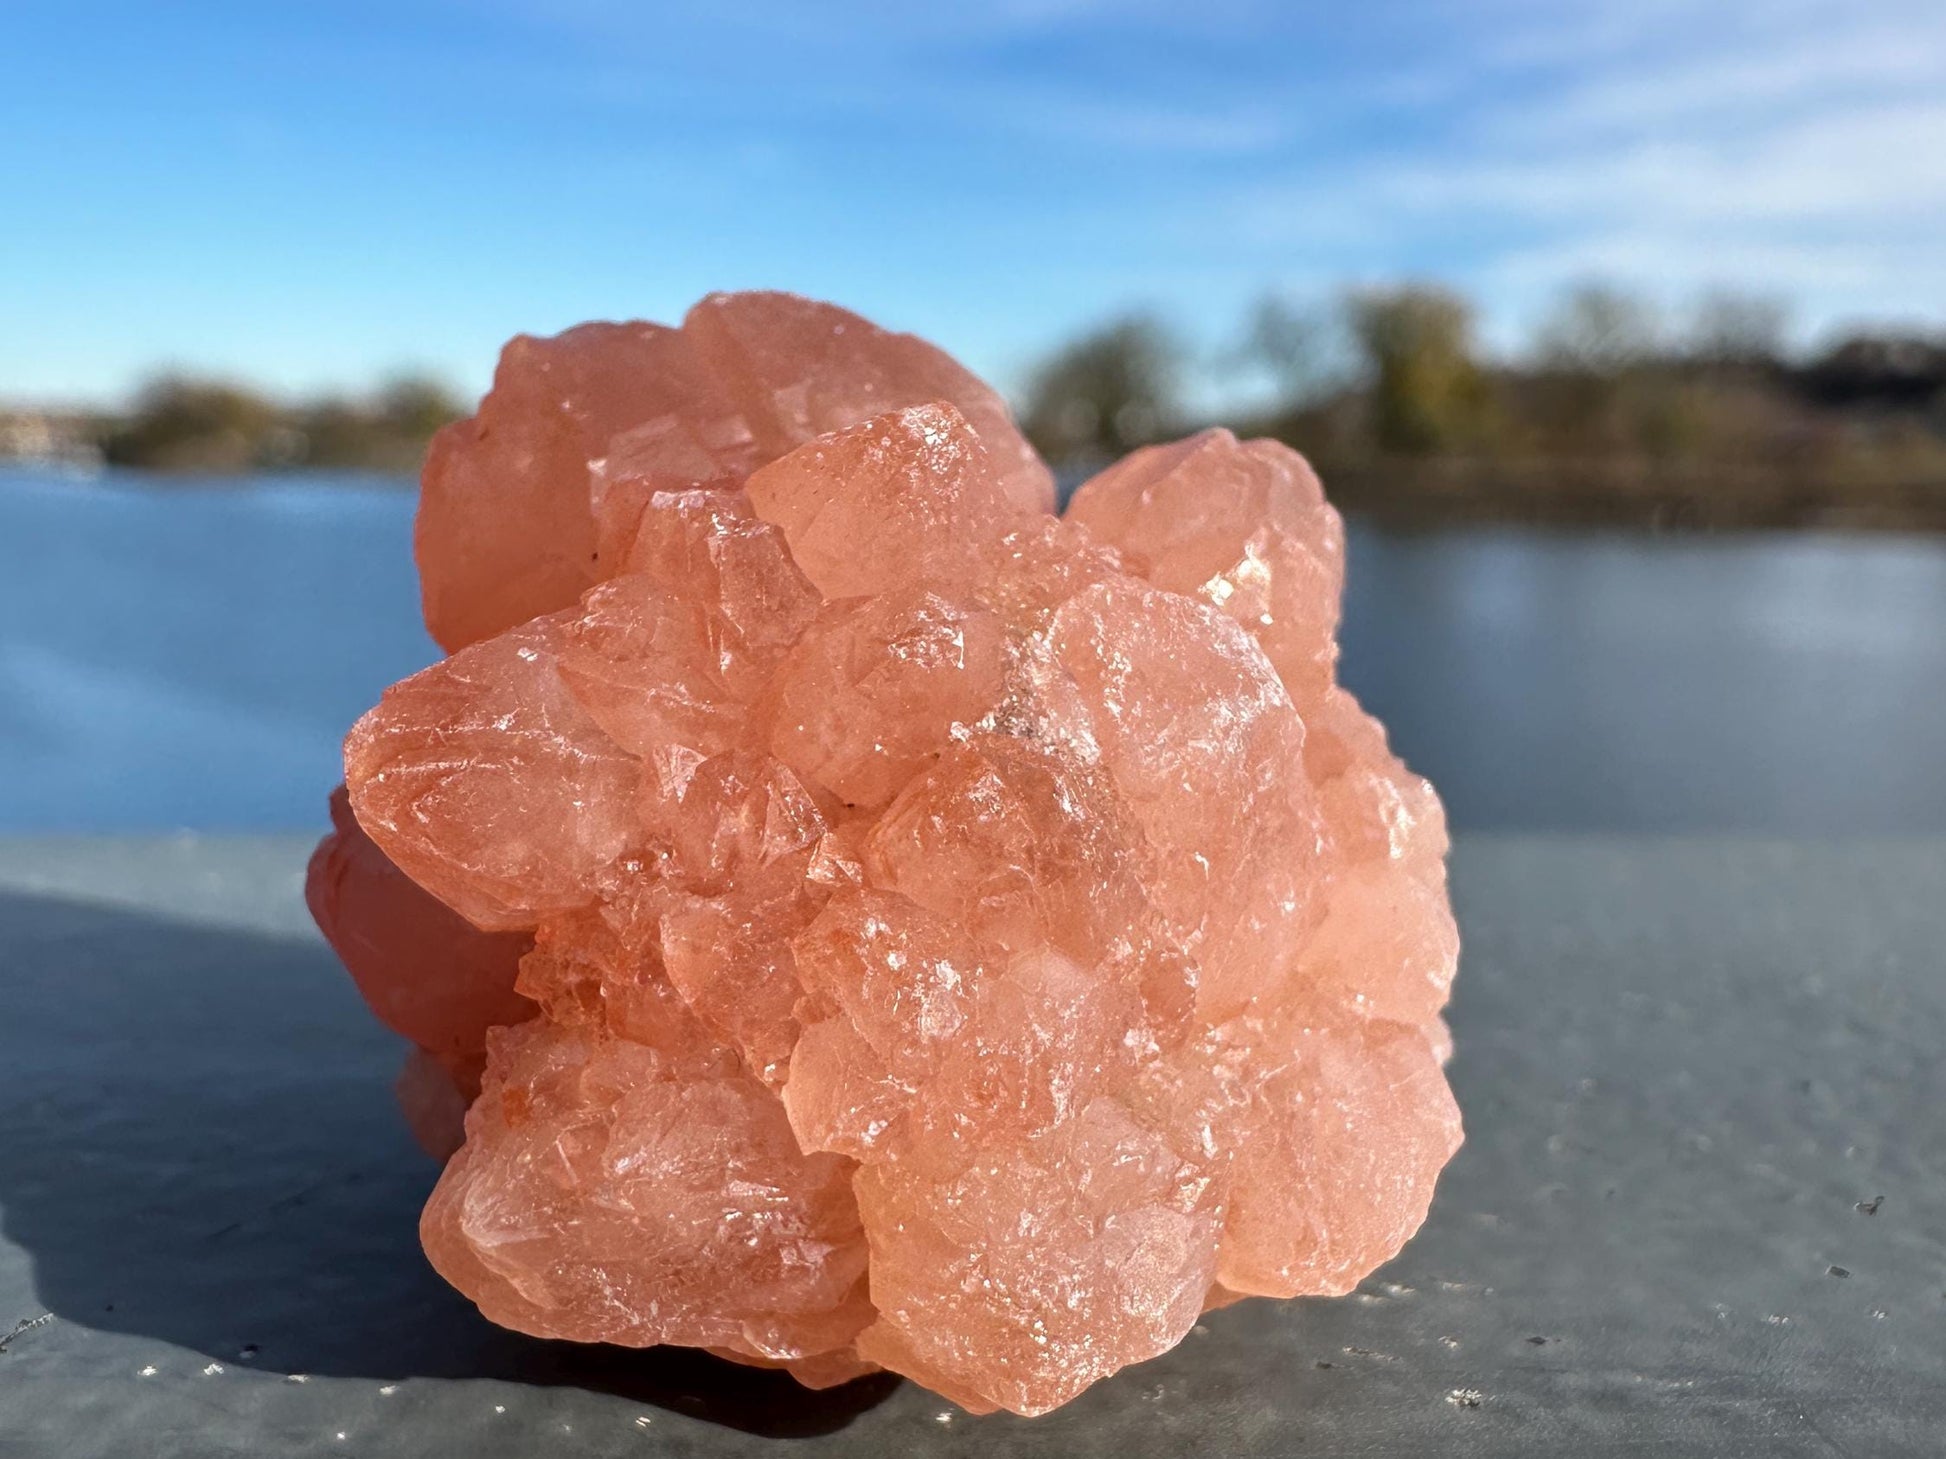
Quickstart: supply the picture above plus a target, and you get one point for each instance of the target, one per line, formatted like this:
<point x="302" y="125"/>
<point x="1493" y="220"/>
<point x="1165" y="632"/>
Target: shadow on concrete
<point x="198" y="1145"/>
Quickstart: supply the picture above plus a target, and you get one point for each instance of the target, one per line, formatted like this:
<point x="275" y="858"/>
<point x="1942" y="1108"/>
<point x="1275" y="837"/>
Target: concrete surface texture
<point x="1701" y="1209"/>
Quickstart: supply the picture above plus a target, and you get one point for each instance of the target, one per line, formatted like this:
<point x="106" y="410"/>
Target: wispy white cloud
<point x="1786" y="145"/>
<point x="994" y="173"/>
<point x="1802" y="71"/>
<point x="1843" y="166"/>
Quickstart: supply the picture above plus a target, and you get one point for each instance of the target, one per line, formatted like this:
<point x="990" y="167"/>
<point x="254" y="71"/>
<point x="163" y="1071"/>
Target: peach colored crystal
<point x="886" y="925"/>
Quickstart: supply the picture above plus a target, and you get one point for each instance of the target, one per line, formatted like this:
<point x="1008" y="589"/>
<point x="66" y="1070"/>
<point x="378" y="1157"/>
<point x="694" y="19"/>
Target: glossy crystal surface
<point x="886" y="924"/>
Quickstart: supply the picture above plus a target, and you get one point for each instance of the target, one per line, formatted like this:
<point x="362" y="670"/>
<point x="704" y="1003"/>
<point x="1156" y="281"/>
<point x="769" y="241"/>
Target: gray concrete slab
<point x="1701" y="1210"/>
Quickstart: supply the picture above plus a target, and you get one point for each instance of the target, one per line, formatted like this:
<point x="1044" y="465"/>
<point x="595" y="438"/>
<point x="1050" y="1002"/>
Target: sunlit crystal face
<point x="928" y="934"/>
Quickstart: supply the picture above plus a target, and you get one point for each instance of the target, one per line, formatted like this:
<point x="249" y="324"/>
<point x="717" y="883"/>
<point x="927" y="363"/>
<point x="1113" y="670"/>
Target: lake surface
<point x="190" y="655"/>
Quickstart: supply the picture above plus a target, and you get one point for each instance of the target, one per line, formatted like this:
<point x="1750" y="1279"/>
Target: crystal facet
<point x="867" y="920"/>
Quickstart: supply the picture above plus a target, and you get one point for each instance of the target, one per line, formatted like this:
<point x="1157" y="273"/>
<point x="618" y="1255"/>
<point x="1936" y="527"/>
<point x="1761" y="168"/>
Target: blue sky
<point x="313" y="195"/>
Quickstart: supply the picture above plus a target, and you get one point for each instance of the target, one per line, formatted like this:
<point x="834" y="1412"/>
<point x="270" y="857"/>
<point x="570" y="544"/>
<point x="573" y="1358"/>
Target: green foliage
<point x="1739" y="330"/>
<point x="412" y="407"/>
<point x="181" y="423"/>
<point x="185" y="424"/>
<point x="1597" y="329"/>
<point x="1427" y="391"/>
<point x="1297" y="347"/>
<point x="1106" y="393"/>
<point x="1611" y="413"/>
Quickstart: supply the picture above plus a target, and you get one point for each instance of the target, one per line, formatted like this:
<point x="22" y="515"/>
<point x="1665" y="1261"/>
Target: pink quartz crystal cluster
<point x="865" y="919"/>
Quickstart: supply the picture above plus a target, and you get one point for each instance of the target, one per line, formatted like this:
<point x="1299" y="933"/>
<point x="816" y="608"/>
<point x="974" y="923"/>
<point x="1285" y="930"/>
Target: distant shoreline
<point x="1452" y="492"/>
<point x="142" y="480"/>
<point x="199" y="427"/>
<point x="1608" y="418"/>
<point x="1422" y="497"/>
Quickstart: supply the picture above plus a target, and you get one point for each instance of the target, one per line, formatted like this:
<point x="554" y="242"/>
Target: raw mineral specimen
<point x="876" y="922"/>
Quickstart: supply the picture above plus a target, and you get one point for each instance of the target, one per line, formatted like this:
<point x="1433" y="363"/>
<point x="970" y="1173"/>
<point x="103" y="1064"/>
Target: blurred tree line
<point x="1610" y="412"/>
<point x="180" y="423"/>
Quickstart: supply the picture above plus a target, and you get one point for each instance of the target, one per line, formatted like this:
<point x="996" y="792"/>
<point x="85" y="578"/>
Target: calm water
<point x="191" y="656"/>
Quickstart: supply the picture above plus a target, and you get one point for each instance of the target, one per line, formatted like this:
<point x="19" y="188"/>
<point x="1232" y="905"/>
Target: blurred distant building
<point x="48" y="437"/>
